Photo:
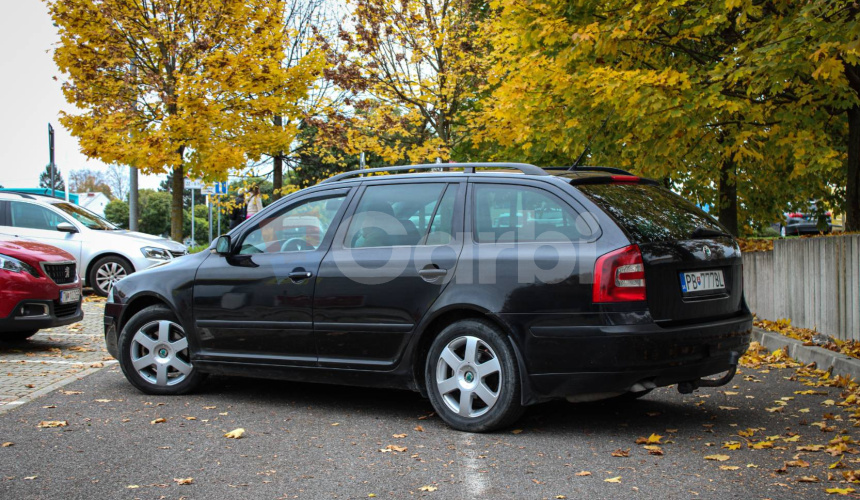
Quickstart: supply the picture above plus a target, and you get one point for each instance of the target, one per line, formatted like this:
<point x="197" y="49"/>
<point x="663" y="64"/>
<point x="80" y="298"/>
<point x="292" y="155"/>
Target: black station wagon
<point x="487" y="287"/>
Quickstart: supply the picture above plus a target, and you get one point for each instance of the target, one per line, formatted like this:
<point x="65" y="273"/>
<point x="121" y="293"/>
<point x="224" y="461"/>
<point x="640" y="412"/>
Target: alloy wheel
<point x="469" y="376"/>
<point x="159" y="353"/>
<point x="108" y="274"/>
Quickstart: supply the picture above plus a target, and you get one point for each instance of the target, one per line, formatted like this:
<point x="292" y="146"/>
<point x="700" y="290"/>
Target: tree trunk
<point x="176" y="213"/>
<point x="728" y="196"/>
<point x="852" y="195"/>
<point x="278" y="172"/>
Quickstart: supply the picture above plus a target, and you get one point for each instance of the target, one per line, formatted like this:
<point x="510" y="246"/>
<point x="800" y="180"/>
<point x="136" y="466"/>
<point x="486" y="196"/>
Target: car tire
<point x="106" y="271"/>
<point x="17" y="336"/>
<point x="154" y="354"/>
<point x="472" y="377"/>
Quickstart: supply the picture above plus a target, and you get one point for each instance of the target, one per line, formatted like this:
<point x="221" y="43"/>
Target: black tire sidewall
<point x="148" y="315"/>
<point x="91" y="279"/>
<point x="507" y="408"/>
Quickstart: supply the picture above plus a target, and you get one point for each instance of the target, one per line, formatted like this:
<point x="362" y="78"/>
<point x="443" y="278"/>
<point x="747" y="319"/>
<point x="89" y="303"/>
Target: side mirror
<point x="66" y="227"/>
<point x="222" y="245"/>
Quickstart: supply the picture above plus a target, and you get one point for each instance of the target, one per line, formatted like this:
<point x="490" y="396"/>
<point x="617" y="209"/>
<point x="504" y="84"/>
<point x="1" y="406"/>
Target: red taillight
<point x="619" y="276"/>
<point x="624" y="178"/>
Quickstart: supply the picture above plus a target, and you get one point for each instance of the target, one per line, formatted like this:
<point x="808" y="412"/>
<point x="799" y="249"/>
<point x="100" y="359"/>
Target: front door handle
<point x="300" y="275"/>
<point x="432" y="272"/>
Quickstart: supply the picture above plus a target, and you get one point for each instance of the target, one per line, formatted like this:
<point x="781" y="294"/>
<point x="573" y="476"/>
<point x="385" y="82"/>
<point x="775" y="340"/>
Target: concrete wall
<point x="815" y="282"/>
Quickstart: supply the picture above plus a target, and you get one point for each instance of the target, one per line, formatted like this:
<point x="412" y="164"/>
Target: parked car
<point x="39" y="288"/>
<point x="797" y="223"/>
<point x="624" y="288"/>
<point x="105" y="253"/>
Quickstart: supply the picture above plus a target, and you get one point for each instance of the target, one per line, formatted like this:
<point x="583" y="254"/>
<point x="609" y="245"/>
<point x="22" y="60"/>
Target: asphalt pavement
<point x="318" y="441"/>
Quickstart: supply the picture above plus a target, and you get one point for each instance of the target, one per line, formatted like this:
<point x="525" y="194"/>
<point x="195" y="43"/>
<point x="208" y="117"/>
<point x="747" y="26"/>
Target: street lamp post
<point x="51" y="156"/>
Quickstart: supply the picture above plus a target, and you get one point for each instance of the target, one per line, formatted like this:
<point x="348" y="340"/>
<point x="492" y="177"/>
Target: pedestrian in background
<point x="253" y="202"/>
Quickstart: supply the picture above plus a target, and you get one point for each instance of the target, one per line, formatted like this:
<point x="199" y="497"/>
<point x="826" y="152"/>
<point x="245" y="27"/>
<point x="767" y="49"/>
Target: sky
<point x="30" y="99"/>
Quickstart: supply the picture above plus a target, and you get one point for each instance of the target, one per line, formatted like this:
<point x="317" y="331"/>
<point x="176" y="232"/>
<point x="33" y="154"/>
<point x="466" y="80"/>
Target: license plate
<point x="702" y="281"/>
<point x="69" y="296"/>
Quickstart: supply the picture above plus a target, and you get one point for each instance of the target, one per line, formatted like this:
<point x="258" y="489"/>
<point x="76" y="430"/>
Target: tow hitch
<point x="688" y="387"/>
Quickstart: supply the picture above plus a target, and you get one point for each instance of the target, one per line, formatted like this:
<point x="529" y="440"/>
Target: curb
<point x="824" y="359"/>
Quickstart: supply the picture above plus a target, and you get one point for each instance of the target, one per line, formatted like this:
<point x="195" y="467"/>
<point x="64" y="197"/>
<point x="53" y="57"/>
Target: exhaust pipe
<point x="690" y="386"/>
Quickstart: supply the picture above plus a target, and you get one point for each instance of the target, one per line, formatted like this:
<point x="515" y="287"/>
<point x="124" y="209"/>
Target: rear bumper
<point x="39" y="314"/>
<point x="613" y="358"/>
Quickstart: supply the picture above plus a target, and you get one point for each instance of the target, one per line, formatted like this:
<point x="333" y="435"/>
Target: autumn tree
<point x="666" y="80"/>
<point x="118" y="180"/>
<point x="176" y="86"/>
<point x="413" y="67"/>
<point x="89" y="181"/>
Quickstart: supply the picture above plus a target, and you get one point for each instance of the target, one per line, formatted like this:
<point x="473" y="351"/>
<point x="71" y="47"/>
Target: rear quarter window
<point x="649" y="213"/>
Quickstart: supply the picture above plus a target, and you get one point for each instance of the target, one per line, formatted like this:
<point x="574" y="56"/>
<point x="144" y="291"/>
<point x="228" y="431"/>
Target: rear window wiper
<point x="707" y="232"/>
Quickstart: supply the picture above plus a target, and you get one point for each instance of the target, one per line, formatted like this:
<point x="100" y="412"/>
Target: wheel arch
<point x="96" y="258"/>
<point x="139" y="303"/>
<point x="449" y="315"/>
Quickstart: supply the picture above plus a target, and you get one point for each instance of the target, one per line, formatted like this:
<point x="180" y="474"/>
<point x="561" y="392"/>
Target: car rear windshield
<point x="649" y="213"/>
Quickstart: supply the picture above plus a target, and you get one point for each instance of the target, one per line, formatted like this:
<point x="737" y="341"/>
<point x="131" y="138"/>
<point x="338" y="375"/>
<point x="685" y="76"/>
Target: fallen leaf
<point x="335" y="424"/>
<point x="235" y="433"/>
<point x="183" y="480"/>
<point x="209" y="407"/>
<point x="797" y="463"/>
<point x="808" y="479"/>
<point x="729" y="467"/>
<point x="393" y="447"/>
<point x="582" y="473"/>
<point x="45" y="424"/>
<point x="30" y="478"/>
<point x="8" y="444"/>
<point x="729" y="408"/>
<point x="811" y="447"/>
<point x="732" y="445"/>
<point x="621" y="453"/>
<point x="828" y="402"/>
<point x="428" y="488"/>
<point x="133" y="486"/>
<point x="398" y="436"/>
<point x="839" y="491"/>
<point x="516" y="431"/>
<point x="762" y="445"/>
<point x="159" y="420"/>
<point x="654" y="450"/>
<point x="190" y="418"/>
<point x="71" y="392"/>
<point x="560" y="497"/>
<point x="652" y="439"/>
<point x="616" y="479"/>
<point x="719" y="458"/>
<point x="418" y="428"/>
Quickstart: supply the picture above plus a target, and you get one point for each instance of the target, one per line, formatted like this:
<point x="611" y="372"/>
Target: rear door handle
<point x="300" y="275"/>
<point x="432" y="273"/>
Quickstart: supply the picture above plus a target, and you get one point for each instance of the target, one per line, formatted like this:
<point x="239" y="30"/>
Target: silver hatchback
<point x="105" y="253"/>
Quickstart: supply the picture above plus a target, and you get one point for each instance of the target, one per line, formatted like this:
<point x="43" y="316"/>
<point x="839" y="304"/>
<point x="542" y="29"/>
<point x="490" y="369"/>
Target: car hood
<point x="148" y="239"/>
<point x="32" y="252"/>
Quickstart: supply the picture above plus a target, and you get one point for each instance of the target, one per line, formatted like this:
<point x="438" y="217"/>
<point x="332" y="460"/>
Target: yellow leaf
<point x="719" y="458"/>
<point x="428" y="488"/>
<point x="398" y="435"/>
<point x="183" y="480"/>
<point x="616" y="479"/>
<point x="158" y="420"/>
<point x="235" y="433"/>
<point x="839" y="491"/>
<point x="8" y="444"/>
<point x="582" y="473"/>
<point x="46" y="424"/>
<point x="729" y="467"/>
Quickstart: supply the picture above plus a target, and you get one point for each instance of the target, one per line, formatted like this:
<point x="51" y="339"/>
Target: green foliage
<point x="45" y="179"/>
<point x="154" y="212"/>
<point x="117" y="212"/>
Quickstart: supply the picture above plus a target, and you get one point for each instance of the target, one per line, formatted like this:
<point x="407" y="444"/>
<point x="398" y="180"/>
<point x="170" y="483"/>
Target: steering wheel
<point x="295" y="245"/>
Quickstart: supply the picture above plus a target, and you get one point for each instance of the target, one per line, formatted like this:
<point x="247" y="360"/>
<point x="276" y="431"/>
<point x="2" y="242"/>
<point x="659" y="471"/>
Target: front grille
<point x="176" y="254"/>
<point x="62" y="274"/>
<point x="63" y="310"/>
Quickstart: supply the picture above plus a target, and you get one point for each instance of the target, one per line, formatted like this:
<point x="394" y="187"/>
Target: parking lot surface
<point x="318" y="441"/>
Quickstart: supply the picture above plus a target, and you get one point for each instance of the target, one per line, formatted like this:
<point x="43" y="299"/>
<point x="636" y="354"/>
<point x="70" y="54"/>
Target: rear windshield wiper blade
<point x="707" y="232"/>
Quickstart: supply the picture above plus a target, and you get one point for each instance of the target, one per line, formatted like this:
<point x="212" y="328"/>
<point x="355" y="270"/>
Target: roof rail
<point x="468" y="168"/>
<point x="579" y="168"/>
<point x="25" y="195"/>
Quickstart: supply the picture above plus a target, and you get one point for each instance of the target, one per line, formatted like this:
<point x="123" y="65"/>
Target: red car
<point x="39" y="288"/>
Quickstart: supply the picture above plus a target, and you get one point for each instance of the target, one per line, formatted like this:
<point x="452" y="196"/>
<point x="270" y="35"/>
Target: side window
<point x="33" y="216"/>
<point x="298" y="229"/>
<point x="508" y="213"/>
<point x="398" y="214"/>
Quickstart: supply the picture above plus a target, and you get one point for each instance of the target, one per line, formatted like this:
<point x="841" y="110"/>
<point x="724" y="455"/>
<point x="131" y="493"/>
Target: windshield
<point x="85" y="217"/>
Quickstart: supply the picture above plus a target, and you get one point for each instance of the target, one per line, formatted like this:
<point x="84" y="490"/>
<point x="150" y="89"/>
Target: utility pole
<point x="51" y="155"/>
<point x="132" y="199"/>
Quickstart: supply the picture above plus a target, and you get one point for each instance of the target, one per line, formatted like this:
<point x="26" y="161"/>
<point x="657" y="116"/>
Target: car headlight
<point x="16" y="266"/>
<point x="156" y="253"/>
